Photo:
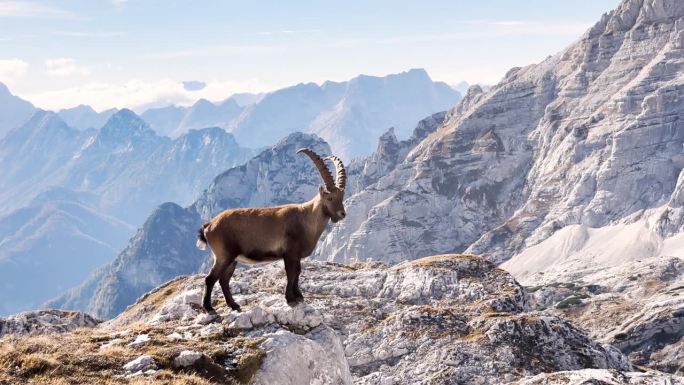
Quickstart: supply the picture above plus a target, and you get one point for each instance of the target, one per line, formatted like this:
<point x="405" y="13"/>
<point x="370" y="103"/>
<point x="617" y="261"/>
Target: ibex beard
<point x="289" y="232"/>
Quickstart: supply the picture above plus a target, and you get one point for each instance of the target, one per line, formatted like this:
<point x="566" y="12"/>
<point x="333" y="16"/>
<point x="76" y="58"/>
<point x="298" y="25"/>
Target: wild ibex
<point x="289" y="232"/>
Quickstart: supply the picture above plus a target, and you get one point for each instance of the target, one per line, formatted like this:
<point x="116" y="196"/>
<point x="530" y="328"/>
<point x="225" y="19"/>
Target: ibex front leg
<point x="298" y="293"/>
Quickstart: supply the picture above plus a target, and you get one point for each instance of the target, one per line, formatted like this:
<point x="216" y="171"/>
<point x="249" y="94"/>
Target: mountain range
<point x="565" y="169"/>
<point x="349" y="115"/>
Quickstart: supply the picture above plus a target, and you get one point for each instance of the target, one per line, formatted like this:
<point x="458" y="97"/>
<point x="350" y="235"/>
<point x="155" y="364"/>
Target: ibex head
<point x="332" y="191"/>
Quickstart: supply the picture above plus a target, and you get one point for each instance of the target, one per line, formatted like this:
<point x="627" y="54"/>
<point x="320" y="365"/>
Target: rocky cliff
<point x="591" y="136"/>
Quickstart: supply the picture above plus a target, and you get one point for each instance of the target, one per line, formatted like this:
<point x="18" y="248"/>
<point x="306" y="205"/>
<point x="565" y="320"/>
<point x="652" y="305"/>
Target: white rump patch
<point x="201" y="244"/>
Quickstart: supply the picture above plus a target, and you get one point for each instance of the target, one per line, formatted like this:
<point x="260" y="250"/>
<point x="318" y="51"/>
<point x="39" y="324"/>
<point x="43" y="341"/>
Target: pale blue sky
<point x="128" y="53"/>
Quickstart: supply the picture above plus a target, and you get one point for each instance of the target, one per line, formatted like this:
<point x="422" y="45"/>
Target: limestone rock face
<point x="591" y="136"/>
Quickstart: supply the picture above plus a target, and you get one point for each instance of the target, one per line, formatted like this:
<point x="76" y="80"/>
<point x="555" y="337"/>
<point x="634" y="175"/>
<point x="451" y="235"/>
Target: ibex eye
<point x="330" y="199"/>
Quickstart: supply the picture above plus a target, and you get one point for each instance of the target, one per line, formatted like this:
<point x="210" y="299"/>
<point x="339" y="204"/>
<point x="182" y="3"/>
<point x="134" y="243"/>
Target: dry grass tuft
<point x="76" y="358"/>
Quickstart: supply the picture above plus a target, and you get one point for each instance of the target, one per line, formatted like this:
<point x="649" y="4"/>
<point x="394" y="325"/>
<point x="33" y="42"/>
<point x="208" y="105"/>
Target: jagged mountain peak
<point x="4" y="90"/>
<point x="126" y="118"/>
<point x="122" y="127"/>
<point x="203" y="102"/>
<point x="42" y="122"/>
<point x="14" y="111"/>
<point x="84" y="117"/>
<point x="210" y="139"/>
<point x="632" y="12"/>
<point x="80" y="107"/>
<point x="388" y="137"/>
<point x="277" y="175"/>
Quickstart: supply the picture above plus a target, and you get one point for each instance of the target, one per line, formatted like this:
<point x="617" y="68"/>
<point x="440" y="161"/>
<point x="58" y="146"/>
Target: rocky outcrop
<point x="601" y="376"/>
<point x="45" y="322"/>
<point x="637" y="307"/>
<point x="445" y="319"/>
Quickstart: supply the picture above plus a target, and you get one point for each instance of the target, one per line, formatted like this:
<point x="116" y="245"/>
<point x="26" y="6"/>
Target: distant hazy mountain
<point x="351" y="115"/>
<point x="61" y="189"/>
<point x="14" y="111"/>
<point x="370" y="105"/>
<point x="128" y="166"/>
<point x="174" y="121"/>
<point x="244" y="99"/>
<point x="165" y="246"/>
<point x="84" y="117"/>
<point x="51" y="245"/>
<point x="164" y="120"/>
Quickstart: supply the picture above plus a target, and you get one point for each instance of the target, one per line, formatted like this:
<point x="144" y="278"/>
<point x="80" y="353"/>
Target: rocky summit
<point x="448" y="319"/>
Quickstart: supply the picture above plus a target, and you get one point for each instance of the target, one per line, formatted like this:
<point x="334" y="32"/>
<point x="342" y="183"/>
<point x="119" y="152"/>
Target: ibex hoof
<point x="236" y="307"/>
<point x="295" y="302"/>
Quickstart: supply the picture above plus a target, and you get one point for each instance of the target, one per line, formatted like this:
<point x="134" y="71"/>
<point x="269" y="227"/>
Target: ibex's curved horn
<point x="320" y="165"/>
<point x="341" y="179"/>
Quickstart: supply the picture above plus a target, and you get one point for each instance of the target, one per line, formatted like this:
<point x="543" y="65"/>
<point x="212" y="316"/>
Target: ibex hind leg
<point x="292" y="269"/>
<point x="220" y="265"/>
<point x="225" y="286"/>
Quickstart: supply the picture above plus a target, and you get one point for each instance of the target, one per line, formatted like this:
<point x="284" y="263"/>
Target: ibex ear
<point x="322" y="190"/>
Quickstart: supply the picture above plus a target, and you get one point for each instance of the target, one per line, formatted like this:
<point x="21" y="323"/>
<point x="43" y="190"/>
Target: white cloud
<point x="137" y="94"/>
<point x="10" y="8"/>
<point x="65" y="66"/>
<point x="12" y="69"/>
